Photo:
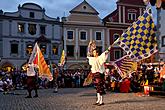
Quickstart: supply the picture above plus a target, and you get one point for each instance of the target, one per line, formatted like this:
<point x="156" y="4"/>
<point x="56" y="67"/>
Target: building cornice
<point x="84" y="25"/>
<point x="28" y="19"/>
<point x="27" y="38"/>
<point x="131" y="5"/>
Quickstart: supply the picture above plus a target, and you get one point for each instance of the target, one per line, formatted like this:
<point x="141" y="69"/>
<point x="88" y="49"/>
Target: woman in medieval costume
<point x="97" y="69"/>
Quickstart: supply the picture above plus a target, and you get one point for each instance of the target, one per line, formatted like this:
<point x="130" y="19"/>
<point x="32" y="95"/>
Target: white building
<point x="20" y="30"/>
<point x="82" y="26"/>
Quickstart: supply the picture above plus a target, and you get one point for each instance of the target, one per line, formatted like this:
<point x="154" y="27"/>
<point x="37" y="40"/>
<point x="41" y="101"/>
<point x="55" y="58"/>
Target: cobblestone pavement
<point x="78" y="99"/>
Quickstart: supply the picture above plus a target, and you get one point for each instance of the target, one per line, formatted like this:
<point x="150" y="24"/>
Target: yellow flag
<point x="62" y="60"/>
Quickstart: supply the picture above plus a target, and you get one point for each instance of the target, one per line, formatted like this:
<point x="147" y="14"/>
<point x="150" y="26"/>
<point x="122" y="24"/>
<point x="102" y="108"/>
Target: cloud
<point x="56" y="8"/>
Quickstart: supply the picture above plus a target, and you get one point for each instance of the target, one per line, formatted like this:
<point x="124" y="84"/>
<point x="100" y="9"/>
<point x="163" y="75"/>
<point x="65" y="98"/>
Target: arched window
<point x="29" y="49"/>
<point x="43" y="48"/>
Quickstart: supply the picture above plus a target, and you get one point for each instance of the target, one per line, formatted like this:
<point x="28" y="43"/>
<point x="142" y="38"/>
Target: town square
<point x="82" y="55"/>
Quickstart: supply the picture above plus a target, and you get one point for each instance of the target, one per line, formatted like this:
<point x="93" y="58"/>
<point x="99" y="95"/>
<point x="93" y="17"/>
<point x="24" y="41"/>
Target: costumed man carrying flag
<point x="36" y="61"/>
<point x="97" y="69"/>
<point x="32" y="81"/>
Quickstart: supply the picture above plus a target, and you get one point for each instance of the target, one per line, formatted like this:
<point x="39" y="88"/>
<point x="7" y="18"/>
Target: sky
<point x="60" y="8"/>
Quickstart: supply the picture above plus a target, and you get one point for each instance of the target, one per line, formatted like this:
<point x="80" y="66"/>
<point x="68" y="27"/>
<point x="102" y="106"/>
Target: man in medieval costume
<point x="97" y="68"/>
<point x="32" y="80"/>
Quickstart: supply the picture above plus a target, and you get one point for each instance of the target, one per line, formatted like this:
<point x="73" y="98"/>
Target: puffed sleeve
<point x="103" y="57"/>
<point x="90" y="60"/>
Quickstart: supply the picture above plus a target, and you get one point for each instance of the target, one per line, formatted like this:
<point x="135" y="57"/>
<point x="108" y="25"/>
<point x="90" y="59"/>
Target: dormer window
<point x="31" y="14"/>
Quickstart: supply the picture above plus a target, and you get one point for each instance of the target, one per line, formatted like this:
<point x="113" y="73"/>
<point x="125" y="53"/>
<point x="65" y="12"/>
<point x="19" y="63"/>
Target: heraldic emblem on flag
<point x="37" y="59"/>
<point x="125" y="66"/>
<point x="139" y="41"/>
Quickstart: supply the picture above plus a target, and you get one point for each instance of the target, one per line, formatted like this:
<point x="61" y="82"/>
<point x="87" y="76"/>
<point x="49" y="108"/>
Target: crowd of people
<point x="135" y="82"/>
<point x="65" y="79"/>
<point x="75" y="78"/>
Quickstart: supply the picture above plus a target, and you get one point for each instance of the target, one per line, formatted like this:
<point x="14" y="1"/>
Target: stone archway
<point x="75" y="67"/>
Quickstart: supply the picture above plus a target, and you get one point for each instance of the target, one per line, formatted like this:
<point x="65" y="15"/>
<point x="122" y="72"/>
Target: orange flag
<point x="162" y="73"/>
<point x="38" y="60"/>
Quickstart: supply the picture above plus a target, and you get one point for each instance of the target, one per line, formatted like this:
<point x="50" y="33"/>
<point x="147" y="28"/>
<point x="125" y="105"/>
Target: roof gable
<point x="84" y="7"/>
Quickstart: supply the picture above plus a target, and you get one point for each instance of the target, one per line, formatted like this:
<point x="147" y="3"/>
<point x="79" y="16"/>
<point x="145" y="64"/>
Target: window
<point x="163" y="41"/>
<point x="70" y="50"/>
<point x="84" y="7"/>
<point x="29" y="49"/>
<point x="115" y="37"/>
<point x="83" y="35"/>
<point x="98" y="35"/>
<point x="14" y="48"/>
<point x="32" y="29"/>
<point x="55" y="50"/>
<point x="31" y="15"/>
<point x="83" y="51"/>
<point x="132" y="16"/>
<point x="117" y="54"/>
<point x="20" y="27"/>
<point x="69" y="34"/>
<point x="43" y="48"/>
<point x="42" y="29"/>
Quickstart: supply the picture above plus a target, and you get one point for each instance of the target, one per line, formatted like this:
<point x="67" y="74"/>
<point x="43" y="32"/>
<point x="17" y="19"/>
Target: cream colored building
<point x="80" y="27"/>
<point x="161" y="33"/>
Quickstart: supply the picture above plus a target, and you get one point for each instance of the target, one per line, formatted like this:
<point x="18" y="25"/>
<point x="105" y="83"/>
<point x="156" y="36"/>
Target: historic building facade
<point x="161" y="33"/>
<point x="80" y="27"/>
<point x="119" y="20"/>
<point x="20" y="30"/>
